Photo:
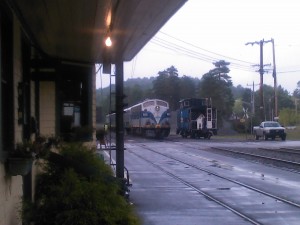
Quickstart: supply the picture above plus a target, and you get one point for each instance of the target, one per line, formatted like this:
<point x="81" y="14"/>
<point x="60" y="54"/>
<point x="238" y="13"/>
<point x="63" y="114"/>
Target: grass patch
<point x="292" y="134"/>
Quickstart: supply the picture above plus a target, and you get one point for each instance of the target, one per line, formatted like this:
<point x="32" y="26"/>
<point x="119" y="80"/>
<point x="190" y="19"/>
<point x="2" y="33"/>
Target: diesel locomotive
<point x="150" y="118"/>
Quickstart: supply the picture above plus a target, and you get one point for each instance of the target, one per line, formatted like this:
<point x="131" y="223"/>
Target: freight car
<point x="196" y="118"/>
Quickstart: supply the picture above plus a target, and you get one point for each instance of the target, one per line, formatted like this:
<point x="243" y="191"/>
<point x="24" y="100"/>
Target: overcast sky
<point x="203" y="32"/>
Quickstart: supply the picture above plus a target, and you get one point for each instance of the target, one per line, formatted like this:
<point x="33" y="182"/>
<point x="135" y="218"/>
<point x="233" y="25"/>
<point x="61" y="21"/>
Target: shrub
<point x="78" y="188"/>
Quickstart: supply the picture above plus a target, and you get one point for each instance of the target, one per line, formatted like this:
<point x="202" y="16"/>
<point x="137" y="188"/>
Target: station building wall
<point x="42" y="106"/>
<point x="11" y="186"/>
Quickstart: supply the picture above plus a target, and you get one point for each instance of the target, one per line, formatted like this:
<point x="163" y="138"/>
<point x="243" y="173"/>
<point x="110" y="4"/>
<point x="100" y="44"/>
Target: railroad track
<point x="273" y="157"/>
<point x="156" y="159"/>
<point x="284" y="150"/>
<point x="283" y="158"/>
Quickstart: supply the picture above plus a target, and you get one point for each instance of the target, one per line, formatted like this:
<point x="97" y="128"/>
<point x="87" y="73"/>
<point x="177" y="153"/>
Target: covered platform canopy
<point x="75" y="30"/>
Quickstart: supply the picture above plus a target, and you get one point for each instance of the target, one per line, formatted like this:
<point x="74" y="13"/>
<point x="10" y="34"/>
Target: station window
<point x="74" y="99"/>
<point x="6" y="74"/>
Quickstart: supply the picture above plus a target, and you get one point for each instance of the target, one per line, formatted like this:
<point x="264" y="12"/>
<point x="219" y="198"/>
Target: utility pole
<point x="275" y="82"/>
<point x="252" y="98"/>
<point x="252" y="106"/>
<point x="296" y="109"/>
<point x="261" y="72"/>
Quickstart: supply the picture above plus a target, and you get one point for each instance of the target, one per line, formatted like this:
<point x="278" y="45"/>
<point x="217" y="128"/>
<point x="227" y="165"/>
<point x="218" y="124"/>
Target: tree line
<point x="231" y="102"/>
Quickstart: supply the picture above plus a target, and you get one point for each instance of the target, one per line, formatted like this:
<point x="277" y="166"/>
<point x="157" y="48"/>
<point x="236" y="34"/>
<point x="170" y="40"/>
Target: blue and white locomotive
<point x="196" y="118"/>
<point x="150" y="118"/>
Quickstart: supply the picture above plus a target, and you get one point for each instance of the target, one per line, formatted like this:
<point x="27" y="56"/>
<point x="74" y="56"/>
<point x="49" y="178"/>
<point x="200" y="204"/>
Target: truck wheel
<point x="283" y="138"/>
<point x="265" y="137"/>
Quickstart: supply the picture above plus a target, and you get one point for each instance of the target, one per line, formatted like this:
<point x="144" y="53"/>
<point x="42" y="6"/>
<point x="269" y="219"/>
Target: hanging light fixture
<point x="108" y="41"/>
<point x="108" y="23"/>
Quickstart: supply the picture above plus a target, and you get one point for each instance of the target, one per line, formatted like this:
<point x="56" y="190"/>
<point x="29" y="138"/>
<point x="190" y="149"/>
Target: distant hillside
<point x="144" y="83"/>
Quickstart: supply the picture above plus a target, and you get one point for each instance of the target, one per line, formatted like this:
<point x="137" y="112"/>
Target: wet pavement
<point x="162" y="200"/>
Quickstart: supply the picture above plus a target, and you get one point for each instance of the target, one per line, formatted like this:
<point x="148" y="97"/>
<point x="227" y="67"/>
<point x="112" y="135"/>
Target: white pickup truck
<point x="269" y="129"/>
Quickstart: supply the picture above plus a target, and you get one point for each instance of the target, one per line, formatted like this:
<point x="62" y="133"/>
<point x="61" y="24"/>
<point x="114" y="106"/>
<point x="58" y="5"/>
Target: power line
<point x="205" y="57"/>
<point x="181" y="49"/>
<point x="289" y="71"/>
<point x="205" y="49"/>
<point x="196" y="54"/>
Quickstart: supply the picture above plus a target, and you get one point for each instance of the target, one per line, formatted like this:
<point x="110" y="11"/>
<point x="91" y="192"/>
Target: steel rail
<point x="198" y="190"/>
<point x="260" y="156"/>
<point x="229" y="179"/>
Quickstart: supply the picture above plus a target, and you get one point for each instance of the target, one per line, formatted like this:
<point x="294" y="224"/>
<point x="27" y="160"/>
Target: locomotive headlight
<point x="157" y="108"/>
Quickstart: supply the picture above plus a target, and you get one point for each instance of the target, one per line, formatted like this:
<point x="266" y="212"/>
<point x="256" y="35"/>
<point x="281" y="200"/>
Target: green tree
<point x="283" y="98"/>
<point x="216" y="84"/>
<point x="243" y="104"/>
<point x="237" y="91"/>
<point x="171" y="71"/>
<point x="296" y="93"/>
<point x="221" y="71"/>
<point x="166" y="86"/>
<point x="246" y="97"/>
<point x="187" y="87"/>
<point x="287" y="117"/>
<point x="238" y="109"/>
<point x="134" y="94"/>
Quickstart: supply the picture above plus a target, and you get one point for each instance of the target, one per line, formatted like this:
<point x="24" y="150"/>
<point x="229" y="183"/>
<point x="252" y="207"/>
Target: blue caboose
<point x="196" y="118"/>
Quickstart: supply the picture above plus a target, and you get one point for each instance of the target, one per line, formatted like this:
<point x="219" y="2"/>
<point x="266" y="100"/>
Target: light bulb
<point x="108" y="42"/>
